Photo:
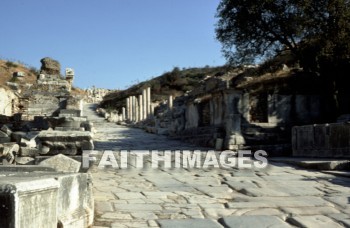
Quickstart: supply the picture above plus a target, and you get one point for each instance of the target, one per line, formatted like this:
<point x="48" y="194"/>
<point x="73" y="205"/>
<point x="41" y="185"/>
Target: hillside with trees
<point x="316" y="33"/>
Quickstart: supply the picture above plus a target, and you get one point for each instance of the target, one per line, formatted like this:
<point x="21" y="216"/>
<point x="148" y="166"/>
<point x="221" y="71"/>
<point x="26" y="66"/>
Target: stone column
<point x="170" y="102"/>
<point x="144" y="101"/>
<point x="131" y="108"/>
<point x="123" y="113"/>
<point x="149" y="102"/>
<point x="127" y="109"/>
<point x="137" y="110"/>
<point x="134" y="108"/>
<point x="141" y="107"/>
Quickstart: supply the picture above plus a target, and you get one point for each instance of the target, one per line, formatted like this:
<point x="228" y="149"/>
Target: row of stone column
<point x="139" y="107"/>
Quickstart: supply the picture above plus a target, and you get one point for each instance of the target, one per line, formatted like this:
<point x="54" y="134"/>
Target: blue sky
<point x="111" y="43"/>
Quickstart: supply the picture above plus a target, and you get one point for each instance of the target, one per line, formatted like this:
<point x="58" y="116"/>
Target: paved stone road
<point x="280" y="196"/>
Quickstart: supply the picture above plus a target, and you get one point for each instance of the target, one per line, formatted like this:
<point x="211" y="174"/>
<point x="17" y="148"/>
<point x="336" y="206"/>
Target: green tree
<point x="311" y="30"/>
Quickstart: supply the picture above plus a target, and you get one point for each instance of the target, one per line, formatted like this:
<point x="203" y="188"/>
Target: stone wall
<point x="321" y="140"/>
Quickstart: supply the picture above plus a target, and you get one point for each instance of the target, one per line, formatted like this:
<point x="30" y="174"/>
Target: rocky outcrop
<point x="50" y="66"/>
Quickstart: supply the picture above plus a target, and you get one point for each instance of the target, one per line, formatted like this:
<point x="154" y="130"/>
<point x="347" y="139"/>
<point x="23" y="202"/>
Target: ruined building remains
<point x="42" y="135"/>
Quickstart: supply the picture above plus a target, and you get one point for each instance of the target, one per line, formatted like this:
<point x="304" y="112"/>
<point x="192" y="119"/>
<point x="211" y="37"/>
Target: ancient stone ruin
<point x="239" y="110"/>
<point x="42" y="136"/>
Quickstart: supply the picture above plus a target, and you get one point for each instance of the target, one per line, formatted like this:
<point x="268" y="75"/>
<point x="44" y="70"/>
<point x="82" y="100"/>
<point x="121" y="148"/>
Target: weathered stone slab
<point x="189" y="223"/>
<point x="254" y="221"/>
<point x="129" y="195"/>
<point x="65" y="142"/>
<point x="62" y="163"/>
<point x="315" y="221"/>
<point x="76" y="204"/>
<point x="60" y="136"/>
<point x="310" y="210"/>
<point x="28" y="152"/>
<point x="342" y="218"/>
<point x="137" y="207"/>
<point x="25" y="160"/>
<point x="24" y="209"/>
<point x="268" y="202"/>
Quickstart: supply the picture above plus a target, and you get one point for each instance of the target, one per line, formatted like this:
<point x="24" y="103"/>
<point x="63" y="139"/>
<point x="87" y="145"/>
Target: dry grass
<point x="7" y="70"/>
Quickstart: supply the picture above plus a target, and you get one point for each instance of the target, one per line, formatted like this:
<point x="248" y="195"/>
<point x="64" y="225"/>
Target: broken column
<point x="170" y="102"/>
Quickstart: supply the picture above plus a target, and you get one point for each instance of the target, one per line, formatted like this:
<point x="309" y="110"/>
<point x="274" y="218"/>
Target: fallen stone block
<point x="61" y="136"/>
<point x="28" y="152"/>
<point x="25" y="160"/>
<point x="62" y="163"/>
<point x="25" y="209"/>
<point x="64" y="142"/>
<point x="46" y="199"/>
